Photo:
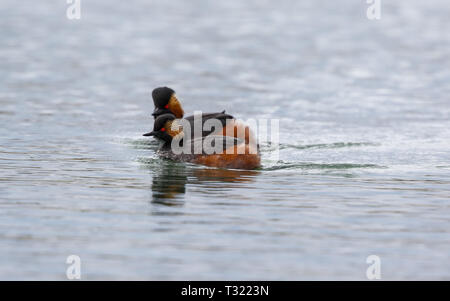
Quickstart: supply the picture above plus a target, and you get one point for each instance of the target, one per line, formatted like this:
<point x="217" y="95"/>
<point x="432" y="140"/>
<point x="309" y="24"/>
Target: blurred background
<point x="364" y="140"/>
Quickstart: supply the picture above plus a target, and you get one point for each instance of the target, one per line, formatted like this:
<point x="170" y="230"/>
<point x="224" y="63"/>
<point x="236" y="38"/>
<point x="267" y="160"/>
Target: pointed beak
<point x="152" y="133"/>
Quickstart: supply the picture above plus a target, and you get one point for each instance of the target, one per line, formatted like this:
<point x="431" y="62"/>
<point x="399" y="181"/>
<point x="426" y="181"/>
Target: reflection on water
<point x="169" y="184"/>
<point x="170" y="179"/>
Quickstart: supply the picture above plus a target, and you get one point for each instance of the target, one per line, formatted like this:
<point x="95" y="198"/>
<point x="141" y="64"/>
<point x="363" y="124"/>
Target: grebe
<point x="227" y="147"/>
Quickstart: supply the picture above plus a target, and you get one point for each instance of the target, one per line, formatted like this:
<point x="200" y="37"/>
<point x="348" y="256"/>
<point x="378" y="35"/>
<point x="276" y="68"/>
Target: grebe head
<point x="165" y="101"/>
<point x="162" y="128"/>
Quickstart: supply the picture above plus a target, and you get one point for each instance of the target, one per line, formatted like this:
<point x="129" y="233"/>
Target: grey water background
<point x="364" y="162"/>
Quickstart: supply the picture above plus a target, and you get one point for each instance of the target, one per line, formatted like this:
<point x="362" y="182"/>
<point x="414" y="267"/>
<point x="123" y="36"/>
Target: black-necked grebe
<point x="236" y="144"/>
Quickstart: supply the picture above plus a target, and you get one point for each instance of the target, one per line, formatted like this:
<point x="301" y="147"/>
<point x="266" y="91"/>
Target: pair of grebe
<point x="237" y="146"/>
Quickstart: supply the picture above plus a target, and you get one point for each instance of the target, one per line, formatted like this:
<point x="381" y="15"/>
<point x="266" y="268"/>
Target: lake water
<point x="364" y="161"/>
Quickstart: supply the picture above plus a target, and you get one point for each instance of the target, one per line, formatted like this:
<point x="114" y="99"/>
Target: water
<point x="364" y="164"/>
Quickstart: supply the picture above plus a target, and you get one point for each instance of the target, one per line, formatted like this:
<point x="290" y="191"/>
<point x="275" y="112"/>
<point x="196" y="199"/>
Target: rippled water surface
<point x="364" y="161"/>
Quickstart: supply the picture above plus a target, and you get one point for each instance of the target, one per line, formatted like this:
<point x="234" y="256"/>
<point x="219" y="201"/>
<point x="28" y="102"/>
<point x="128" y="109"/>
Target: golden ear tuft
<point x="175" y="106"/>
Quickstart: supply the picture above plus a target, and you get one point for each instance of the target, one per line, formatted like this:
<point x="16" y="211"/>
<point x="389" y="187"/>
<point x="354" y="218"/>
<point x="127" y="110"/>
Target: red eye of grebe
<point x="163" y="130"/>
<point x="166" y="106"/>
